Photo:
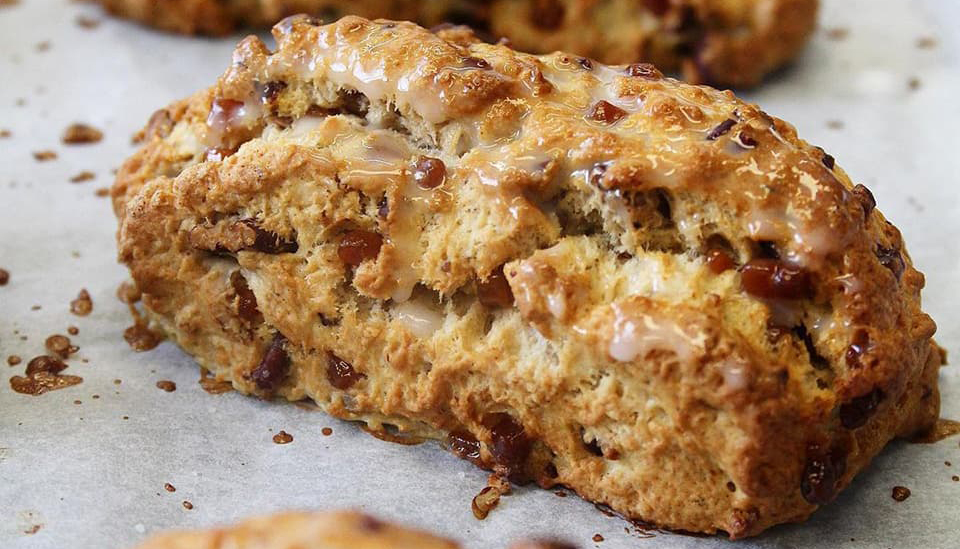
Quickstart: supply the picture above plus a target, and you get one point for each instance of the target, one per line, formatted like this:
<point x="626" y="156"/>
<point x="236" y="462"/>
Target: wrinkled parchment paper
<point x="877" y="88"/>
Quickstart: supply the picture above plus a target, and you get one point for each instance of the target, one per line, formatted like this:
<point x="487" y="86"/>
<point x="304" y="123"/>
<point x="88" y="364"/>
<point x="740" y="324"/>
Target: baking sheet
<point x="92" y="474"/>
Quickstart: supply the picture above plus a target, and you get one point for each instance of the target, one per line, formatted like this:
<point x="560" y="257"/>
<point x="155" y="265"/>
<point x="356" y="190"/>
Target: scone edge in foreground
<point x="593" y="276"/>
<point x="723" y="42"/>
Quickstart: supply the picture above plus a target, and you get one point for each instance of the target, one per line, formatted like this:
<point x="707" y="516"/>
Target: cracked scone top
<point x="579" y="274"/>
<point x="729" y="42"/>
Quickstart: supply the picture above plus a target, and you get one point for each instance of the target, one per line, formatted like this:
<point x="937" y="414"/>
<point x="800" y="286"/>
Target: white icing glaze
<point x="419" y="317"/>
<point x="635" y="335"/>
<point x="808" y="241"/>
<point x="736" y="375"/>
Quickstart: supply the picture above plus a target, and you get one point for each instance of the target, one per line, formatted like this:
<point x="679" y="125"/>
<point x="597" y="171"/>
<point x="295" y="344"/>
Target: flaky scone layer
<point x="586" y="275"/>
<point x="724" y="42"/>
<point x="300" y="530"/>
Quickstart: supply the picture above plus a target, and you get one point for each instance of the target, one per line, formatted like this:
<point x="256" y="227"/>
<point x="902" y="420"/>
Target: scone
<point x="330" y="530"/>
<point x="728" y="42"/>
<point x="587" y="275"/>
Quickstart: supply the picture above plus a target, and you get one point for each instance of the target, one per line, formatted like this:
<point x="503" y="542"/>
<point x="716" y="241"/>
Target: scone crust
<point x="723" y="42"/>
<point x="646" y="360"/>
<point x="302" y="530"/>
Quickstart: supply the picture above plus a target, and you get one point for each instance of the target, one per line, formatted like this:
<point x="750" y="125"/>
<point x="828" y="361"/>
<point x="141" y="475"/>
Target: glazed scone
<point x="648" y="291"/>
<point x="724" y="42"/>
<point x="329" y="530"/>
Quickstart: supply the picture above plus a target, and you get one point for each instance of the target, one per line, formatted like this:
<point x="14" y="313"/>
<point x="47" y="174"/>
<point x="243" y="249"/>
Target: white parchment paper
<point x="93" y="474"/>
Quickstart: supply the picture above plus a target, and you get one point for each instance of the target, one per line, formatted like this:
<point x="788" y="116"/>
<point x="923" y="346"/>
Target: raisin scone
<point x="578" y="274"/>
<point x="728" y="42"/>
<point x="299" y="530"/>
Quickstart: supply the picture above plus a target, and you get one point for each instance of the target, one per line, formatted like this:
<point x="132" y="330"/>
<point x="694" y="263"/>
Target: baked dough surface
<point x="651" y="292"/>
<point x="724" y="42"/>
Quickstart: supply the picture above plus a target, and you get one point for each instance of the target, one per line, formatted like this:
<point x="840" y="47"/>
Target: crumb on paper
<point x="4" y="133"/>
<point x="913" y="83"/>
<point x="43" y="46"/>
<point x="83" y="176"/>
<point x="82" y="305"/>
<point x="102" y="192"/>
<point x="900" y="493"/>
<point x="166" y="385"/>
<point x="169" y="487"/>
<point x="187" y="505"/>
<point x="87" y="22"/>
<point x="838" y="33"/>
<point x="283" y="437"/>
<point x="835" y="124"/>
<point x="44" y="156"/>
<point x="79" y="133"/>
<point x="926" y="42"/>
<point x="4" y="277"/>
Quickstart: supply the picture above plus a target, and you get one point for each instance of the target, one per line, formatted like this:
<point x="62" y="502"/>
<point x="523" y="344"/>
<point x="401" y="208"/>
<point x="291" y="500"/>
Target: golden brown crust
<point x="594" y="276"/>
<point x="330" y="530"/>
<point x="724" y="42"/>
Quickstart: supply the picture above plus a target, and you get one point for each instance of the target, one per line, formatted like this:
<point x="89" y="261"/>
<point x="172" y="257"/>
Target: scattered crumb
<point x="102" y="192"/>
<point x="838" y="33"/>
<point x="78" y="402"/>
<point x="926" y="42"/>
<point x="900" y="493"/>
<point x="913" y="84"/>
<point x="83" y="176"/>
<point x="948" y="464"/>
<point x="4" y="277"/>
<point x="79" y="133"/>
<point x="5" y="3"/>
<point x="128" y="293"/>
<point x="5" y="133"/>
<point x="117" y="382"/>
<point x="167" y="385"/>
<point x="915" y="204"/>
<point x="21" y="102"/>
<point x="187" y="505"/>
<point x="835" y="124"/>
<point x="955" y="478"/>
<point x="95" y="397"/>
<point x="43" y="156"/>
<point x="59" y="345"/>
<point x="489" y="497"/>
<point x="169" y="487"/>
<point x="212" y="385"/>
<point x="13" y="360"/>
<point x="597" y="538"/>
<point x="141" y="338"/>
<point x="73" y="330"/>
<point x="82" y="305"/>
<point x="43" y="46"/>
<point x="43" y="375"/>
<point x="86" y="22"/>
<point x="283" y="437"/>
<point x="33" y="529"/>
<point x="326" y="431"/>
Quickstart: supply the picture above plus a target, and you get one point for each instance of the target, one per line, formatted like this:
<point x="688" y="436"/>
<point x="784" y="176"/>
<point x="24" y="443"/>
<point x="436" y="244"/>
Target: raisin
<point x="429" y="173"/>
<point x="246" y="299"/>
<point x="855" y="413"/>
<point x="821" y="475"/>
<point x="547" y="14"/>
<point x="721" y="129"/>
<point x="586" y="63"/>
<point x="358" y="246"/>
<point x="773" y="279"/>
<point x="495" y="292"/>
<point x="816" y="359"/>
<point x="745" y="140"/>
<point x="767" y="250"/>
<point x="891" y="259"/>
<point x="719" y="261"/>
<point x="859" y="345"/>
<point x="273" y="367"/>
<point x="340" y="373"/>
<point x="464" y="445"/>
<point x="606" y="112"/>
<point x="223" y="111"/>
<point x="475" y="63"/>
<point x="271" y="91"/>
<point x="269" y="242"/>
<point x="383" y="207"/>
<point x="509" y="443"/>
<point x="828" y="161"/>
<point x="865" y="197"/>
<point x="658" y="7"/>
<point x="644" y="70"/>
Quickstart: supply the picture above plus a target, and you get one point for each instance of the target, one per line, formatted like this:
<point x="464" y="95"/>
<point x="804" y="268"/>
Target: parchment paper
<point x="93" y="474"/>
